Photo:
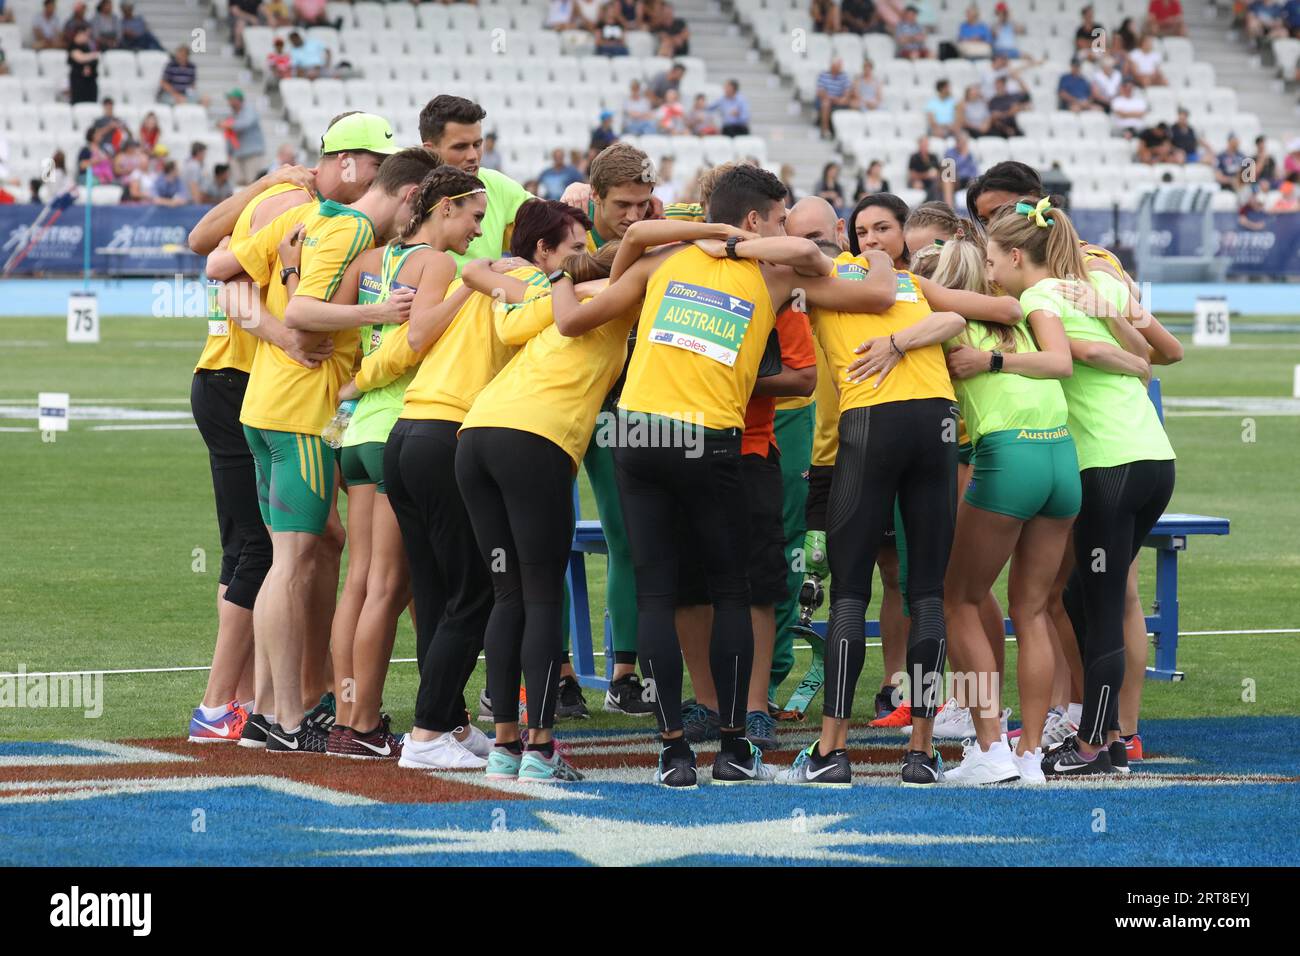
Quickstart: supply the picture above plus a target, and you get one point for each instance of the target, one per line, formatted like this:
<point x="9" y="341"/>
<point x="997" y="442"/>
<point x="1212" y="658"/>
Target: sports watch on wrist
<point x="289" y="271"/>
<point x="995" y="363"/>
<point x="557" y="275"/>
<point x="731" y="247"/>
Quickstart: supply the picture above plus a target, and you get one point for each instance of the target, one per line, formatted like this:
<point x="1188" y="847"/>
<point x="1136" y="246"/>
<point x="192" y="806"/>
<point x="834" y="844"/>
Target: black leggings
<point x="518" y="489"/>
<point x="449" y="582"/>
<point x="819" y="493"/>
<point x="906" y="449"/>
<point x="1120" y="507"/>
<point x="215" y="399"/>
<point x="703" y="486"/>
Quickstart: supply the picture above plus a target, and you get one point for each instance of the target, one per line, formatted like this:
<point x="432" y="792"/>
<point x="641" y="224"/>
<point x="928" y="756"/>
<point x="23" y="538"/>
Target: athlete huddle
<point x="474" y="386"/>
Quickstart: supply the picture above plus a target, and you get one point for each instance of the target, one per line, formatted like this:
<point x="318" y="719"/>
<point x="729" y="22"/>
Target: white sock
<point x="269" y="718"/>
<point x="211" y="713"/>
<point x="248" y="705"/>
<point x="294" y="729"/>
<point x="1075" y="713"/>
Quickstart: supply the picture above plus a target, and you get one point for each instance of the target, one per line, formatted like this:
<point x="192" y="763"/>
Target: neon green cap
<point x="359" y="131"/>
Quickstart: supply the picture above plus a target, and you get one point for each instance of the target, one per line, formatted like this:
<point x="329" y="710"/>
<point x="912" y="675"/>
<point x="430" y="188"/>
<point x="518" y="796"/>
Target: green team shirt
<point x="504" y="197"/>
<point x="1004" y="401"/>
<point x="1111" y="416"/>
<point x="378" y="410"/>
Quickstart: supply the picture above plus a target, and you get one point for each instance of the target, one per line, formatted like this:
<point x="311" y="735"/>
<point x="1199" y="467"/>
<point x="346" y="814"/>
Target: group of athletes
<point x="791" y="394"/>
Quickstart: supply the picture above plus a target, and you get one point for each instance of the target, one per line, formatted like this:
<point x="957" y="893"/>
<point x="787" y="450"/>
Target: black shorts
<point x="766" y="563"/>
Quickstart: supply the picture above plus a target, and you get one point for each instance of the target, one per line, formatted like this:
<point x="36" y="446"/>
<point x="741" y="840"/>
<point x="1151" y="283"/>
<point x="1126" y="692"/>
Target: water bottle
<point x="333" y="432"/>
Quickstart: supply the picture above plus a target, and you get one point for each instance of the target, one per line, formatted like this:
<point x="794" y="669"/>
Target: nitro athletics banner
<point x="151" y="240"/>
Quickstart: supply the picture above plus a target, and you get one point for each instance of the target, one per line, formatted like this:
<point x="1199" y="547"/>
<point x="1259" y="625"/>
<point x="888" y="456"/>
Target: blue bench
<point x="1168" y="538"/>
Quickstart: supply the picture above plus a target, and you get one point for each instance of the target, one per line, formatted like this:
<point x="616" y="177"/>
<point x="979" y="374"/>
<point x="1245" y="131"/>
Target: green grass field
<point x="100" y="530"/>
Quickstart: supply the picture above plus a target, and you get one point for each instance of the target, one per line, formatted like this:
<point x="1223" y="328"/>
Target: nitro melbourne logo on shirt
<point x="851" y="271"/>
<point x="702" y="320"/>
<point x="371" y="285"/>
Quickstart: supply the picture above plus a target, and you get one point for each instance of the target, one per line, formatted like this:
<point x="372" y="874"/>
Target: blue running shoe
<point x="503" y="765"/>
<point x="760" y="728"/>
<point x="536" y="767"/>
<point x="699" y="723"/>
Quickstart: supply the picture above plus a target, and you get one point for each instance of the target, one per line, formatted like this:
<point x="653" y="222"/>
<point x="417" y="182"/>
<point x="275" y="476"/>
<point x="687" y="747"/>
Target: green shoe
<point x="503" y="765"/>
<point x="536" y="768"/>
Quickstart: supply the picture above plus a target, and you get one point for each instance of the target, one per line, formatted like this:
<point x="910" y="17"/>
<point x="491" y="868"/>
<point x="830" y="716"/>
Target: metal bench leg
<point x="1164" y="624"/>
<point x="584" y="661"/>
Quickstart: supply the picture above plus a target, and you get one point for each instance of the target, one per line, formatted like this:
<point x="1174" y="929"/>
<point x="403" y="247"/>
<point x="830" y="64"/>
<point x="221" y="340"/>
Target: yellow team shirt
<point x="826" y="426"/>
<point x="229" y="344"/>
<point x="466" y="357"/>
<point x="702" y="331"/>
<point x="923" y="373"/>
<point x="555" y="385"/>
<point x="283" y="395"/>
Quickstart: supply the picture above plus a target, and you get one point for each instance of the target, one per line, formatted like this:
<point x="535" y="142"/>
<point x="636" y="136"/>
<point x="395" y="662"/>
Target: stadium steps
<point x="1237" y="66"/>
<point x="730" y="53"/>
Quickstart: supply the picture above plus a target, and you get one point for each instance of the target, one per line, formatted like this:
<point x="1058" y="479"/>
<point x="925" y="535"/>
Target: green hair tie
<point x="939" y="243"/>
<point x="1036" y="212"/>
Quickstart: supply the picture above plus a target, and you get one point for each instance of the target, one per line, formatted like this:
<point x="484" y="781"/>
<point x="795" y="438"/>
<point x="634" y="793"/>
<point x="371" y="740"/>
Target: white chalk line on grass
<point x="411" y="660"/>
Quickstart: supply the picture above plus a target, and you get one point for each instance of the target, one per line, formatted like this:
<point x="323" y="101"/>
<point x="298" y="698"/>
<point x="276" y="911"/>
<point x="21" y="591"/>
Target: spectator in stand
<point x="860" y="16"/>
<point x="1128" y="110"/>
<point x="130" y="166"/>
<point x="1144" y="64"/>
<point x="220" y="186"/>
<point x="311" y="58"/>
<point x="1125" y="39"/>
<point x="112" y="131"/>
<point x="1006" y="33"/>
<point x="829" y="188"/>
<point x="611" y="32"/>
<point x="826" y="16"/>
<point x="1285" y="199"/>
<point x="1264" y="165"/>
<point x="150" y="131"/>
<point x="491" y="157"/>
<point x="1106" y="83"/>
<point x="47" y="32"/>
<point x="833" y="93"/>
<point x="554" y="179"/>
<point x="604" y="134"/>
<point x="1291" y="165"/>
<point x="278" y="62"/>
<point x="733" y="110"/>
<point x="95" y="158"/>
<point x="106" y="26"/>
<point x="973" y="112"/>
<point x="75" y="24"/>
<point x="167" y="187"/>
<point x="670" y="118"/>
<point x="1184" y="138"/>
<point x="244" y="13"/>
<point x="1165" y="18"/>
<point x="192" y="174"/>
<point x="867" y="91"/>
<point x="276" y="13"/>
<point x="1264" y="20"/>
<point x="670" y="79"/>
<point x="959" y="167"/>
<point x="673" y="33"/>
<point x="1230" y="165"/>
<point x="909" y="36"/>
<point x="286" y="155"/>
<point x="1087" y="32"/>
<point x="311" y="13"/>
<point x="136" y="34"/>
<point x="668" y="188"/>
<point x="974" y="38"/>
<point x="923" y="170"/>
<point x="1073" y="91"/>
<point x="702" y="120"/>
<point x="871" y="182"/>
<point x="787" y="180"/>
<point x="83" y="68"/>
<point x="1004" y="106"/>
<point x="1251" y="214"/>
<point x="1156" y="145"/>
<point x="562" y="15"/>
<point x="941" y="110"/>
<point x="178" y="79"/>
<point x="54" y="180"/>
<point x="1001" y="68"/>
<point x="243" y="132"/>
<point x="638" y="112"/>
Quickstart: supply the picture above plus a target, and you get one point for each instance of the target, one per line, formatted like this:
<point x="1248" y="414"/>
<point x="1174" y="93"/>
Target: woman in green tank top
<point x="448" y="210"/>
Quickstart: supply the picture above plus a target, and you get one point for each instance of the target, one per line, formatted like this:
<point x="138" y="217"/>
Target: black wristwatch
<point x="995" y="363"/>
<point x="557" y="275"/>
<point x="289" y="271"/>
<point x="731" y="247"/>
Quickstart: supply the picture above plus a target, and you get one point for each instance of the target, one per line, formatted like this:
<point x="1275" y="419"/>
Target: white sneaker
<point x="1030" y="765"/>
<point x="995" y="765"/>
<point x="1057" y="728"/>
<point x="477" y="742"/>
<point x="442" y="753"/>
<point x="954" y="722"/>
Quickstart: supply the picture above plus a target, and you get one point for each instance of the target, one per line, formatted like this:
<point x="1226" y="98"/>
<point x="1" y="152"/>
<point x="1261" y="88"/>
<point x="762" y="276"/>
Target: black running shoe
<point x="676" y="773"/>
<point x="1118" y="754"/>
<point x="920" y="770"/>
<point x="322" y="715"/>
<point x="700" y="723"/>
<point x="1068" y="761"/>
<point x="627" y="695"/>
<point x="885" y="702"/>
<point x="254" y="734"/>
<point x="308" y="740"/>
<point x="571" y="704"/>
<point x="728" y="770"/>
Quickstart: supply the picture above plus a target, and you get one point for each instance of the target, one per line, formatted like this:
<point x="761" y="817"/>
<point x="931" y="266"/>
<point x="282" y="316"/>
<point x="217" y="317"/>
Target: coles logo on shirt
<point x="702" y="320"/>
